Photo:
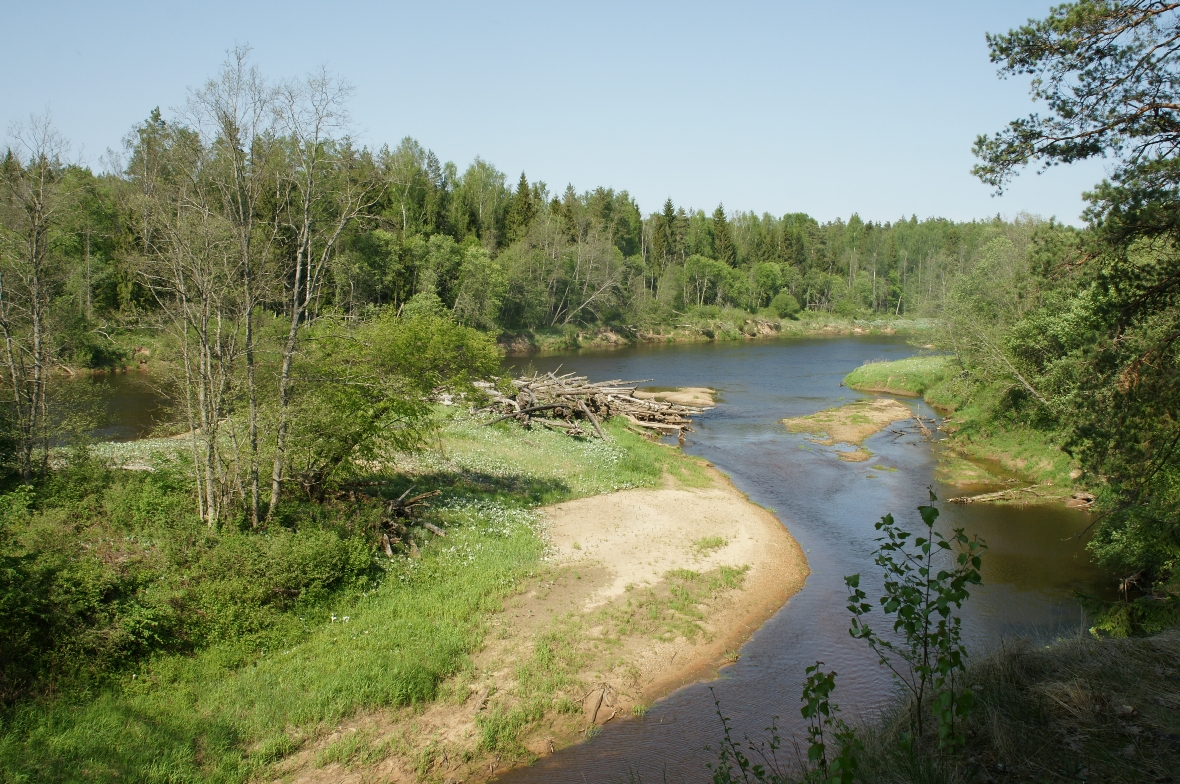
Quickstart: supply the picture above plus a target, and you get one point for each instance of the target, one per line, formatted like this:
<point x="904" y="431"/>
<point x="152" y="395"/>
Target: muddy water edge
<point x="1035" y="564"/>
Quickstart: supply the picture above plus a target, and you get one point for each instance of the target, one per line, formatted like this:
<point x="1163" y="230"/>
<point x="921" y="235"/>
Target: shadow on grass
<point x="468" y="485"/>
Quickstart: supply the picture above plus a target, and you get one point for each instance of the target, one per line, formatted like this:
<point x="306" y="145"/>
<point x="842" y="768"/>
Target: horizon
<point x="895" y="143"/>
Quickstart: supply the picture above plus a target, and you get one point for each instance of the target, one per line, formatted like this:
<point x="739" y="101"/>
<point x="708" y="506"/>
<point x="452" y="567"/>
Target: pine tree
<point x="723" y="249"/>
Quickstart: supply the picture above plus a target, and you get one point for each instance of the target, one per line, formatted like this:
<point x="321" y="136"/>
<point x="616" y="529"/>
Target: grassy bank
<point x="706" y="324"/>
<point x="981" y="448"/>
<point x="211" y="656"/>
<point x="1079" y="709"/>
<point x="910" y="376"/>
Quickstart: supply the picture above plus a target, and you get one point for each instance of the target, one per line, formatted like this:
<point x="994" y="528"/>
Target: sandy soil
<point x="612" y="567"/>
<point x="850" y="424"/>
<point x="685" y="396"/>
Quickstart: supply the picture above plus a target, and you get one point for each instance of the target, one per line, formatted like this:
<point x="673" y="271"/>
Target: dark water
<point x="128" y="405"/>
<point x="1031" y="570"/>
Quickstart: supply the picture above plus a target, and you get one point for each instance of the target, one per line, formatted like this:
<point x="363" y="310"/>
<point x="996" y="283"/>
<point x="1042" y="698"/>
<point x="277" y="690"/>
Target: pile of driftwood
<point x="571" y="404"/>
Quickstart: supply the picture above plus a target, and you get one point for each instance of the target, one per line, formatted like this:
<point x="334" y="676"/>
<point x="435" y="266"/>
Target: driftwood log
<point x="573" y="405"/>
<point x="1000" y="495"/>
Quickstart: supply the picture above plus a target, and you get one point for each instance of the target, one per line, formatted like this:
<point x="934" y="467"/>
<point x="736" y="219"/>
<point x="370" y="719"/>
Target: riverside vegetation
<point x="1060" y="361"/>
<point x="303" y="300"/>
<point x="157" y="649"/>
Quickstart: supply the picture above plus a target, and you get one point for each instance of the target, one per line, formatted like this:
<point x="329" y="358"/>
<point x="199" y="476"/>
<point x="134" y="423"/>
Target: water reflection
<point x="129" y="405"/>
<point x="1033" y="566"/>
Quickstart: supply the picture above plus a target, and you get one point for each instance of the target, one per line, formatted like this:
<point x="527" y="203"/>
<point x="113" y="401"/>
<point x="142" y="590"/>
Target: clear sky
<point x="824" y="108"/>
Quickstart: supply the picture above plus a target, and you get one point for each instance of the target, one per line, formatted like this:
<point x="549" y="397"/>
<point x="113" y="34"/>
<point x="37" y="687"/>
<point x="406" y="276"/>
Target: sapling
<point x="926" y="581"/>
<point x="824" y="730"/>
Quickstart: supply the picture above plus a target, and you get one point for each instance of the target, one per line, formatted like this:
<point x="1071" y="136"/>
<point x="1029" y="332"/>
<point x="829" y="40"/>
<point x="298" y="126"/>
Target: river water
<point x="1034" y="565"/>
<point x="124" y="406"/>
<point x="1032" y="568"/>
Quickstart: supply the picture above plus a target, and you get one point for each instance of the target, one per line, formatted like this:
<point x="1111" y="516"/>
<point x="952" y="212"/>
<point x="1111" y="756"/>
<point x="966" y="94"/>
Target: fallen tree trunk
<point x="999" y="495"/>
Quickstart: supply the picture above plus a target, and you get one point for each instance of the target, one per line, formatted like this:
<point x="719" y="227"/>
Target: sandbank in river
<point x="647" y="590"/>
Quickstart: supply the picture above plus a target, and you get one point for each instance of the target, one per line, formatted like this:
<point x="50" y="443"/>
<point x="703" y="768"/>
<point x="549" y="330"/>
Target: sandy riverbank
<point x="850" y="424"/>
<point x="702" y="397"/>
<point x="645" y="591"/>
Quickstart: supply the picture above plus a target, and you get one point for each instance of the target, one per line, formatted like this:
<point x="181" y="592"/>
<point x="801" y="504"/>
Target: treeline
<point x="393" y="223"/>
<point x="250" y="231"/>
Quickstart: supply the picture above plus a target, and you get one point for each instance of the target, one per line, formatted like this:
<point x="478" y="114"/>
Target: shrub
<point x="785" y="305"/>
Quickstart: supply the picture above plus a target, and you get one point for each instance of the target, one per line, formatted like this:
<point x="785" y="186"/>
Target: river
<point x="1032" y="568"/>
<point x="125" y="406"/>
<point x="1034" y="565"/>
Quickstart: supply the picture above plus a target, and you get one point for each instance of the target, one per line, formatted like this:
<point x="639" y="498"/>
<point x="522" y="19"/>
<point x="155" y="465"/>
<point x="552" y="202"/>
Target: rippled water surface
<point x="1034" y="565"/>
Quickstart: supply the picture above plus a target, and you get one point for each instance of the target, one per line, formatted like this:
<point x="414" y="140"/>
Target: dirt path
<point x="645" y="591"/>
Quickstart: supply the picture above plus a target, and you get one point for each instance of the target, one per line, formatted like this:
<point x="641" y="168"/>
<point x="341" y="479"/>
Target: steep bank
<point x="1080" y="709"/>
<point x="645" y="590"/>
<point x="729" y="325"/>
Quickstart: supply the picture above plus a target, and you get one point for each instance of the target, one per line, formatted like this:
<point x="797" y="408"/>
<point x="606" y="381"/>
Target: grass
<point x="909" y="376"/>
<point x="1080" y="709"/>
<point x="708" y="544"/>
<point x="230" y="711"/>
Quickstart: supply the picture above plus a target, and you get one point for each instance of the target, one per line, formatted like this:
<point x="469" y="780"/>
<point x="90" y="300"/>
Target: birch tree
<point x="237" y="115"/>
<point x="329" y="183"/>
<point x="194" y="270"/>
<point x="34" y="204"/>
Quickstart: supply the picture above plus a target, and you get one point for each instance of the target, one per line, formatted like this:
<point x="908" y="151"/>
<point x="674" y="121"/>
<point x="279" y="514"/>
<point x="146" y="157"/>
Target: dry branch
<point x="572" y="400"/>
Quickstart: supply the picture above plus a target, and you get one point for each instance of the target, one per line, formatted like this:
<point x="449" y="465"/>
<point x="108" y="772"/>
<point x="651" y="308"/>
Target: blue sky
<point x="821" y="108"/>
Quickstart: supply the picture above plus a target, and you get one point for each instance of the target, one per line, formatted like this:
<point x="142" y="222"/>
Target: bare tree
<point x="33" y="206"/>
<point x="330" y="184"/>
<point x="194" y="270"/>
<point x="237" y="115"/>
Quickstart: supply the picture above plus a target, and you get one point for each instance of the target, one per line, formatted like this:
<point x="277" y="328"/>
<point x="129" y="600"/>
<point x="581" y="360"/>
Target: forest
<point x="306" y="303"/>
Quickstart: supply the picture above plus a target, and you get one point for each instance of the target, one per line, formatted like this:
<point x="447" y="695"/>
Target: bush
<point x="785" y="305"/>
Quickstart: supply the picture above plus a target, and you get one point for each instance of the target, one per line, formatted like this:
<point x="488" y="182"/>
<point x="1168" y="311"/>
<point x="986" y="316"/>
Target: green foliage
<point x="737" y="764"/>
<point x="368" y="387"/>
<point x="824" y="730"/>
<point x="832" y="749"/>
<point x="785" y="305"/>
<point x="922" y="596"/>
<point x="1093" y="344"/>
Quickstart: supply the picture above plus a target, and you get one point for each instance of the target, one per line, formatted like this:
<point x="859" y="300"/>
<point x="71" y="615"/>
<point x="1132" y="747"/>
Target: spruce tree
<point x="723" y="249"/>
<point x="521" y="211"/>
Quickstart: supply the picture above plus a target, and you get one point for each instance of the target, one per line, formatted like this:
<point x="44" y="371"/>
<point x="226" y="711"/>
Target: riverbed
<point x="1035" y="564"/>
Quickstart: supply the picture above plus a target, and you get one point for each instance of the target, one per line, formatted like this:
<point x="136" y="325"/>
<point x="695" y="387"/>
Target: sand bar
<point x="614" y="562"/>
